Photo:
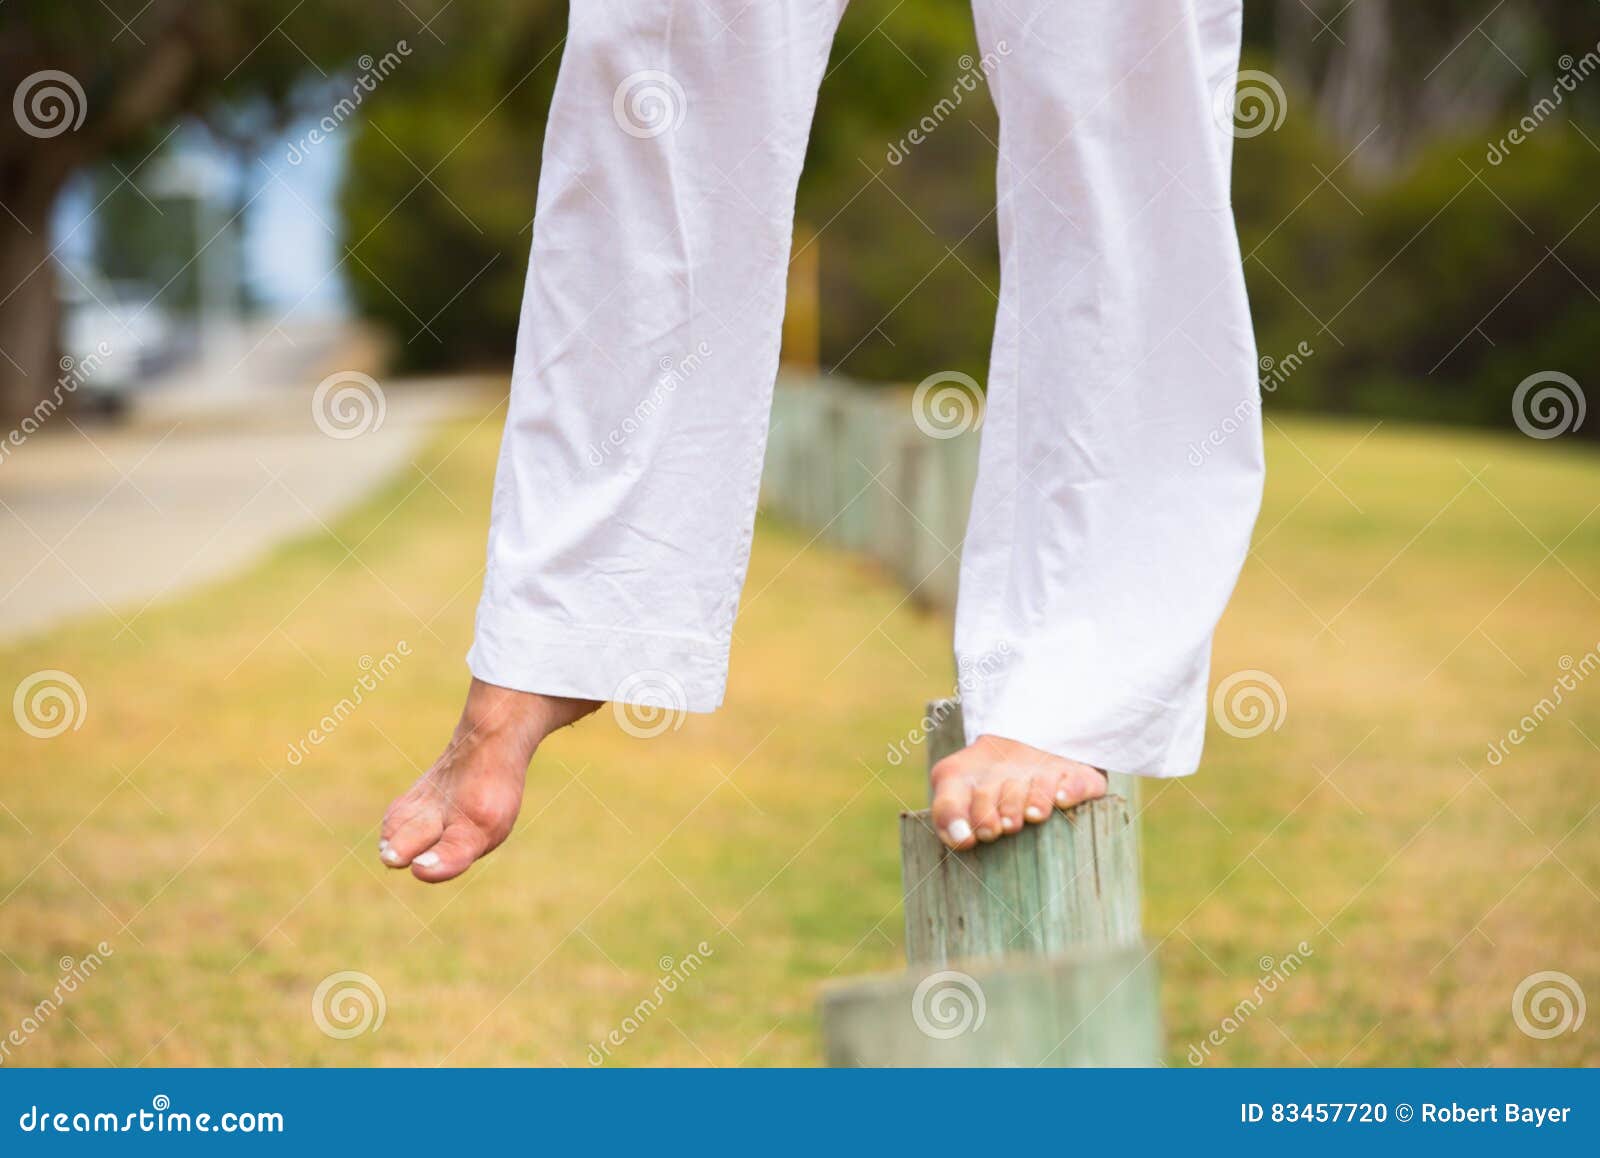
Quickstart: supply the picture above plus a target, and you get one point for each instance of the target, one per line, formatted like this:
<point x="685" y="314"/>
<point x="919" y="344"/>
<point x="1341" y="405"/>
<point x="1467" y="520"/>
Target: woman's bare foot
<point x="993" y="786"/>
<point x="463" y="807"/>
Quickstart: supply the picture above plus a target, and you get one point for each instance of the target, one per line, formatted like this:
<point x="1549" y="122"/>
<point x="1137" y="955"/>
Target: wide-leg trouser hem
<point x="599" y="663"/>
<point x="1153" y="740"/>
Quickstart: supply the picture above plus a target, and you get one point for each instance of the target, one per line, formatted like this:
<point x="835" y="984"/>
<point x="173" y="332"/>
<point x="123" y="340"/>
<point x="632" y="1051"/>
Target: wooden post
<point x="1070" y="883"/>
<point x="1077" y="1009"/>
<point x="1027" y="951"/>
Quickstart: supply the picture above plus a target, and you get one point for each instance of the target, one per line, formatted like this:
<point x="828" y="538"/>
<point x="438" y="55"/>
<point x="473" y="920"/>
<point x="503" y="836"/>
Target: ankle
<point x="522" y="718"/>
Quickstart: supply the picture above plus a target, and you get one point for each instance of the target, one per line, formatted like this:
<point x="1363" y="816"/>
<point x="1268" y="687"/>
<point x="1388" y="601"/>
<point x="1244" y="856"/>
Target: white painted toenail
<point x="959" y="831"/>
<point x="1007" y="824"/>
<point x="390" y="856"/>
<point x="427" y="859"/>
<point x="1034" y="812"/>
<point x="1063" y="796"/>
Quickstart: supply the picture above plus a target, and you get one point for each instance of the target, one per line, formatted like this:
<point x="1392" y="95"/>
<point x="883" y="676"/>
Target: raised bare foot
<point x="993" y="786"/>
<point x="463" y="807"/>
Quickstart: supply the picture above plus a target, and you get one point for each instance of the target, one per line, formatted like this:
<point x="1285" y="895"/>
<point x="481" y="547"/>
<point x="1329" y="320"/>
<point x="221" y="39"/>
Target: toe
<point x="462" y="843"/>
<point x="1080" y="784"/>
<point x="1041" y="797"/>
<point x="952" y="817"/>
<point x="1013" y="797"/>
<point x="986" y="812"/>
<point x="400" y="844"/>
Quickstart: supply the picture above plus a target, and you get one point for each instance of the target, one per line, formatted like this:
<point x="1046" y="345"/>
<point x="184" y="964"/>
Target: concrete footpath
<point x="102" y="518"/>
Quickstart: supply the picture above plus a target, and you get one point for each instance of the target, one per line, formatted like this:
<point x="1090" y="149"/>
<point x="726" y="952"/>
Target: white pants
<point x="1121" y="459"/>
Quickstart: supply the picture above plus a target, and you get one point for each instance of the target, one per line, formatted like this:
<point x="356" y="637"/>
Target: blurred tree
<point x="92" y="81"/>
<point x="1397" y="77"/>
<point x="907" y="249"/>
<point x="438" y="206"/>
<point x="1431" y="293"/>
<point x="900" y="185"/>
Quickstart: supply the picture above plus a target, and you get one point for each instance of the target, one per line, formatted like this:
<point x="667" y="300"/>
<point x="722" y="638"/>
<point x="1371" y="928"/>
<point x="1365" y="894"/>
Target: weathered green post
<point x="1024" y="952"/>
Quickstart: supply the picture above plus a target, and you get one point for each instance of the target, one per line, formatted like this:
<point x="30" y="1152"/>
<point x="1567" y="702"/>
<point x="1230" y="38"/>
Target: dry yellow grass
<point x="1409" y="605"/>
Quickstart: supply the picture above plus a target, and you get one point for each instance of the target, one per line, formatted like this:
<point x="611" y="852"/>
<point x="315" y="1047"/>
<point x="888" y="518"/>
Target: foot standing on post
<point x="1097" y="559"/>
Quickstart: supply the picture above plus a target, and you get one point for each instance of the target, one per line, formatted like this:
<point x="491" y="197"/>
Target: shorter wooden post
<point x="1084" y="1008"/>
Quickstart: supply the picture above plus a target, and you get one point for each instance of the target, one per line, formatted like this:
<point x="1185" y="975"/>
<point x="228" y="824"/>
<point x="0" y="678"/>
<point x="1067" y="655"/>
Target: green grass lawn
<point x="1413" y="592"/>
